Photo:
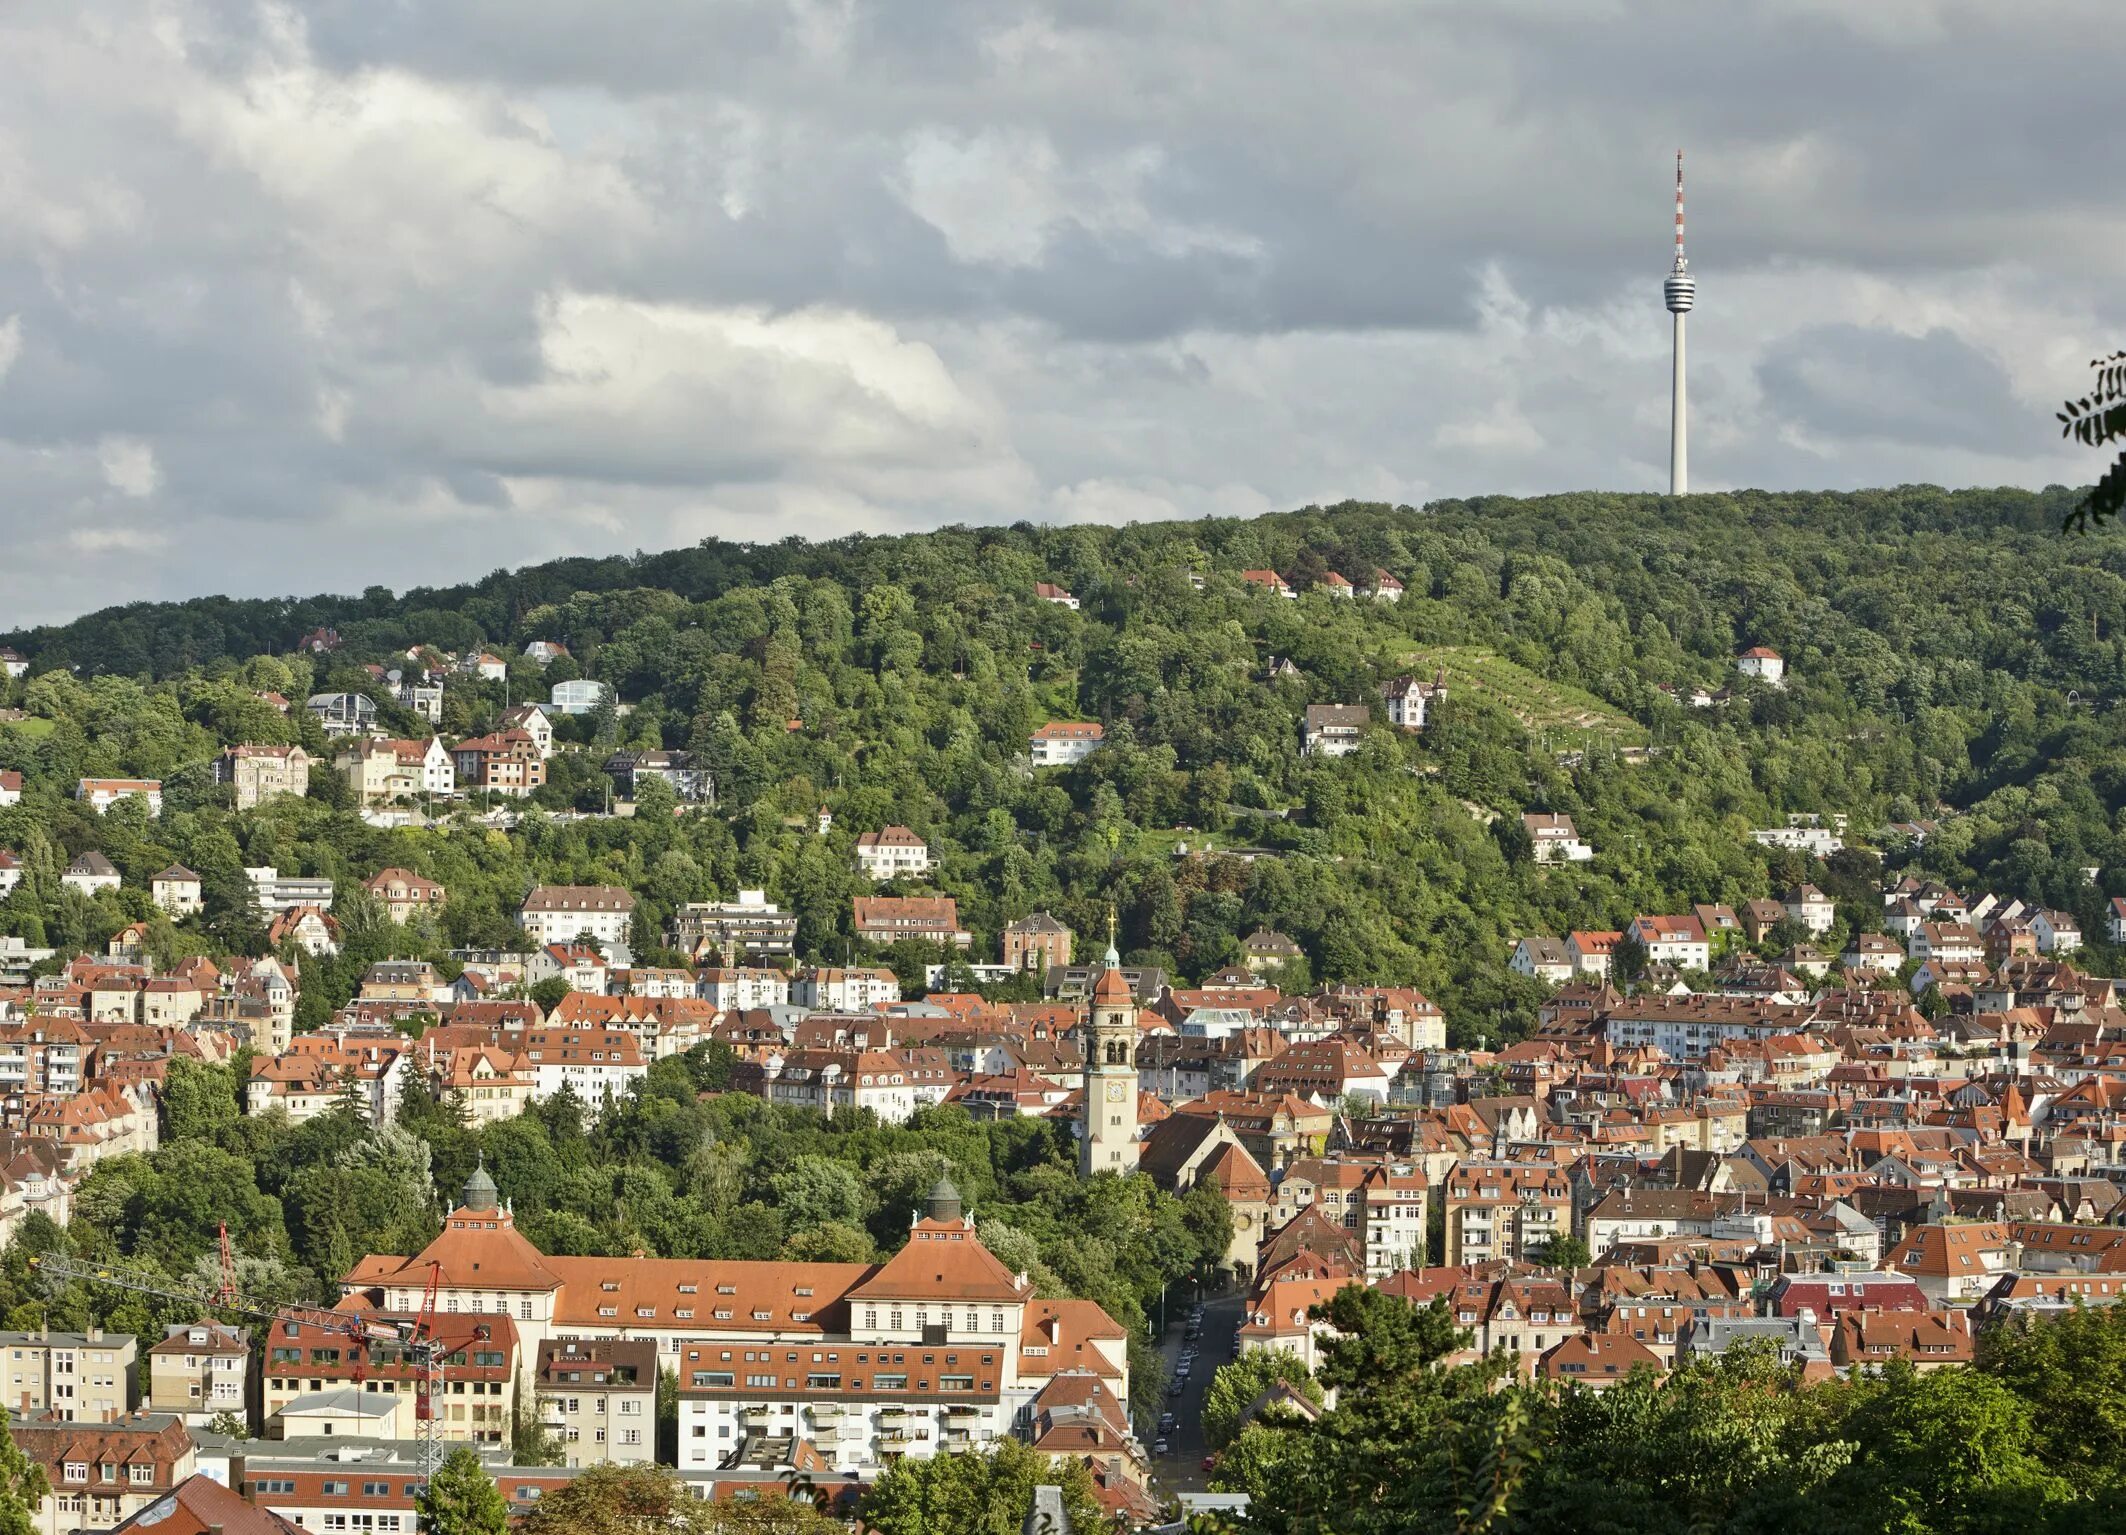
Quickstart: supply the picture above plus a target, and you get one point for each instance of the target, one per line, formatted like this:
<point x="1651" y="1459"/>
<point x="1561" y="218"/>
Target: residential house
<point x="1048" y="591"/>
<point x="260" y="772"/>
<point x="741" y="987"/>
<point x="1036" y="942"/>
<point x="1270" y="582"/>
<point x="506" y="762"/>
<point x="1952" y="943"/>
<point x="10" y="873"/>
<point x="178" y="891"/>
<point x="1060" y="743"/>
<point x="309" y="928"/>
<point x="582" y="696"/>
<point x="276" y="892"/>
<point x="1763" y="664"/>
<point x="422" y="698"/>
<point x="849" y="989"/>
<point x="380" y="771"/>
<point x="1405" y="700"/>
<point x="1333" y="730"/>
<point x="891" y="853"/>
<point x="544" y="652"/>
<point x="690" y="779"/>
<point x="100" y="794"/>
<point x="1552" y="838"/>
<point x="2058" y="932"/>
<point x="1504" y="1209"/>
<point x="10" y="788"/>
<point x="342" y="714"/>
<point x="90" y="872"/>
<point x="13" y="663"/>
<point x="1386" y="588"/>
<point x="1596" y="1361"/>
<point x="1543" y="959"/>
<point x="1592" y="952"/>
<point x="484" y="664"/>
<point x="533" y="721"/>
<point x="1811" y="908"/>
<point x="1673" y="940"/>
<point x="1266" y="950"/>
<point x="403" y="894"/>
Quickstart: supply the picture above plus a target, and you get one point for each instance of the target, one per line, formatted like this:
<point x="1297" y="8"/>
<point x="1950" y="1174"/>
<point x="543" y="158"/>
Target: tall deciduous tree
<point x="22" y="1486"/>
<point x="462" y="1499"/>
<point x="986" y="1493"/>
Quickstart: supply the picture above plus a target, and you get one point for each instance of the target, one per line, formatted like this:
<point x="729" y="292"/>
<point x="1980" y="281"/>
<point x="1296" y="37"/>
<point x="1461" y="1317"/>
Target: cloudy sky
<point x="304" y="297"/>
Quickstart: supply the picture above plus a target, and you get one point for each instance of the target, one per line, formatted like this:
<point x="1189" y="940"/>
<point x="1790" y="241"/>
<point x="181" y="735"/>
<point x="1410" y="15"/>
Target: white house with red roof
<point x="892" y="851"/>
<point x="1060" y="743"/>
<point x="1764" y="664"/>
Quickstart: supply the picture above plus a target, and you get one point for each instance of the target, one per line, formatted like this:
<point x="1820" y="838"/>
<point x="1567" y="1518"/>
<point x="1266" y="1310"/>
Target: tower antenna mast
<point x="1680" y="292"/>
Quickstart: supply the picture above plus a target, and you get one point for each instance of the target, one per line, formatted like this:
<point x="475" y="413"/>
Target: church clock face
<point x="1116" y="1091"/>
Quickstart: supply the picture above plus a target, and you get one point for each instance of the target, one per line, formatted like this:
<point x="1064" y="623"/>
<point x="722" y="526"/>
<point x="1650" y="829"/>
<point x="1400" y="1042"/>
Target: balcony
<point x="826" y="1412"/>
<point x="755" y="1417"/>
<point x="963" y="1410"/>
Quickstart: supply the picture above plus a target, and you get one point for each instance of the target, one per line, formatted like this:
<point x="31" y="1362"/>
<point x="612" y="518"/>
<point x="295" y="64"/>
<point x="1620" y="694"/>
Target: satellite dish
<point x="393" y="676"/>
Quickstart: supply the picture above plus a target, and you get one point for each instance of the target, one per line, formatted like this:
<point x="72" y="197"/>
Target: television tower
<point x="1680" y="292"/>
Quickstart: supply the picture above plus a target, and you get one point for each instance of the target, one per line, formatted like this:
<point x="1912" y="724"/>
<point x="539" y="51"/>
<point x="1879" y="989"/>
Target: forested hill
<point x="1951" y="656"/>
<point x="1819" y="540"/>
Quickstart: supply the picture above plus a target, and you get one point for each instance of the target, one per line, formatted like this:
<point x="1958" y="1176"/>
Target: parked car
<point x="1159" y="1447"/>
<point x="1167" y="1424"/>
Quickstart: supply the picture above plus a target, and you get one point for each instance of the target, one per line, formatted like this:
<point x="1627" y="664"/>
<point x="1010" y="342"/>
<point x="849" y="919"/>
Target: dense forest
<point x="1952" y="657"/>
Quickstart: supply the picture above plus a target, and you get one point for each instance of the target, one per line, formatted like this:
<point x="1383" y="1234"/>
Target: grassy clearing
<point x="1570" y="716"/>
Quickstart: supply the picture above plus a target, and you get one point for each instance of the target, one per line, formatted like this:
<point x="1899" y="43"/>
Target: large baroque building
<point x="938" y="1347"/>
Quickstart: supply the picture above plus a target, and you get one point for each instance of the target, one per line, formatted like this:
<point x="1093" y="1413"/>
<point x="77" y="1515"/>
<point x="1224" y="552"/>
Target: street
<point x="1181" y="1468"/>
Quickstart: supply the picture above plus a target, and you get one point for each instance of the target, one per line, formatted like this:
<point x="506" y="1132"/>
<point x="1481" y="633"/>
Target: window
<point x="713" y="1378"/>
<point x="955" y="1383"/>
<point x="889" y="1383"/>
<point x="761" y="1381"/>
<point x="631" y="1407"/>
<point x="823" y="1382"/>
<point x="142" y="1474"/>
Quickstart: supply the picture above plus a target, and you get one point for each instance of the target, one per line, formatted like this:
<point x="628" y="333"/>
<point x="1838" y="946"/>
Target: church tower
<point x="1108" y="1132"/>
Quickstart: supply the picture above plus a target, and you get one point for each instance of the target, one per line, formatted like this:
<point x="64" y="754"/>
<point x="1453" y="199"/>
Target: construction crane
<point x="415" y="1340"/>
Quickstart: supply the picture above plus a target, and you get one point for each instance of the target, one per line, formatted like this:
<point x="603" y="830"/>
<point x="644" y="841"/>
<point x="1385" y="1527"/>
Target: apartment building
<point x="561" y="913"/>
<point x="100" y="1475"/>
<point x="200" y="1370"/>
<point x="599" y="1398"/>
<point x="1504" y="1209"/>
<point x="78" y="1377"/>
<point x="260" y="772"/>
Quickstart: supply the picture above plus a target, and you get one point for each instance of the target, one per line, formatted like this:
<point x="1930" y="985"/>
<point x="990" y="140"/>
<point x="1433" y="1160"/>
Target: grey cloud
<point x="307" y="265"/>
<point x="1928" y="391"/>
